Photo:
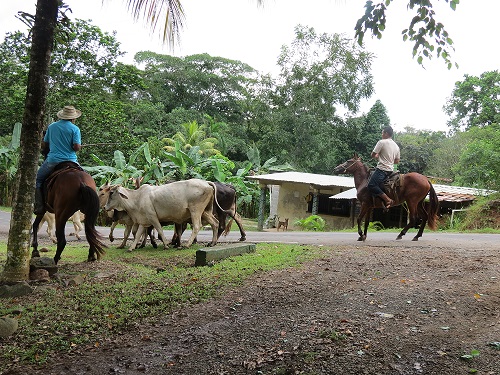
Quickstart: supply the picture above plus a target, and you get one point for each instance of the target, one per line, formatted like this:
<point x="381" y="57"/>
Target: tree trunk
<point x="18" y="245"/>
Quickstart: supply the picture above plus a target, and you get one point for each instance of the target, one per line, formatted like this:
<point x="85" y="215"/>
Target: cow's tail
<point x="432" y="215"/>
<point x="90" y="207"/>
<point x="227" y="229"/>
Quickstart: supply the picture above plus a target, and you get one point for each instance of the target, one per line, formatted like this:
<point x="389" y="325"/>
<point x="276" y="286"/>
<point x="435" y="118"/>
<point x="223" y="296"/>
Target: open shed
<point x="297" y="195"/>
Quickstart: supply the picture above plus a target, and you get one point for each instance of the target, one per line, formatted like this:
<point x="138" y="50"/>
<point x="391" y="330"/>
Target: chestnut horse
<point x="69" y="189"/>
<point x="413" y="190"/>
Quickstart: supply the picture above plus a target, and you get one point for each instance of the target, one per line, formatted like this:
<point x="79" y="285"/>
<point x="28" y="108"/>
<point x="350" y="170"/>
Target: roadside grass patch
<point x="123" y="290"/>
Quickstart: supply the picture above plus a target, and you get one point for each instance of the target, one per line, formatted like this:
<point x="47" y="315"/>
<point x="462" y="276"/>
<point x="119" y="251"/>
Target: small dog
<point x="283" y="224"/>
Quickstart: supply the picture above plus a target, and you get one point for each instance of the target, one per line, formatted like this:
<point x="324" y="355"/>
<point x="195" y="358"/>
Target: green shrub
<point x="312" y="223"/>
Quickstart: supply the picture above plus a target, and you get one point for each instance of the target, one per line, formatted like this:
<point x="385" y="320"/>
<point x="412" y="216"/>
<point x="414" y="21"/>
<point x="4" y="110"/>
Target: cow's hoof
<point x="243" y="239"/>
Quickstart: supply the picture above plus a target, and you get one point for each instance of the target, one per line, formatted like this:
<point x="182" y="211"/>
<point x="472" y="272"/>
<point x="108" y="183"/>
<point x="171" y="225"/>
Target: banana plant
<point x="9" y="159"/>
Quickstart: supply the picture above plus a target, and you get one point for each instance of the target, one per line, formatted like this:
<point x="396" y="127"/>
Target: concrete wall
<point x="292" y="204"/>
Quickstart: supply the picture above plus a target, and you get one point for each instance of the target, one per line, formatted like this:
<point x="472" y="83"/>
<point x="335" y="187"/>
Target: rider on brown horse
<point x="387" y="153"/>
<point x="61" y="140"/>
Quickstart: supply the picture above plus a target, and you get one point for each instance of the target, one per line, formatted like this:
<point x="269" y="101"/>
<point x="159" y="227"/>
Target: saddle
<point x="60" y="168"/>
<point x="392" y="184"/>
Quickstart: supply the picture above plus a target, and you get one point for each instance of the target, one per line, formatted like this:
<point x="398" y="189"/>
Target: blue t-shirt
<point x="61" y="136"/>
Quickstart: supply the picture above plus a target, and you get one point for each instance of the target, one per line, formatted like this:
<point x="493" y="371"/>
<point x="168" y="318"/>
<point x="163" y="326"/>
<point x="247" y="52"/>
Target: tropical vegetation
<point x="167" y="117"/>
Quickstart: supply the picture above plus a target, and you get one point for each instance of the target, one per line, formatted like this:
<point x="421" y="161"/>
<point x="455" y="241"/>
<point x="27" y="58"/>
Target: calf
<point x="50" y="219"/>
<point x="178" y="202"/>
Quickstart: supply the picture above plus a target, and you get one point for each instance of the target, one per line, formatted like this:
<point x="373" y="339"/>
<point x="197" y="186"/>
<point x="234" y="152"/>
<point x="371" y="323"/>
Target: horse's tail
<point x="91" y="209"/>
<point x="432" y="215"/>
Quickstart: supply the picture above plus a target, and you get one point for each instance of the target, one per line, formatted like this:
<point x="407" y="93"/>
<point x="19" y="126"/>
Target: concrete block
<point x="207" y="255"/>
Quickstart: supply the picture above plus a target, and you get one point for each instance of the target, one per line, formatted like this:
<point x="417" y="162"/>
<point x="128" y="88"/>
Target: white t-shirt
<point x="387" y="151"/>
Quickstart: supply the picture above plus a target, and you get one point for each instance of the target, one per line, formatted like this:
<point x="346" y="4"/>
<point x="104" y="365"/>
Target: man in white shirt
<point x="386" y="151"/>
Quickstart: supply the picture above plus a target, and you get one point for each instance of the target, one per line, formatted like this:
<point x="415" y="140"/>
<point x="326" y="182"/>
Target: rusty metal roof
<point x="459" y="193"/>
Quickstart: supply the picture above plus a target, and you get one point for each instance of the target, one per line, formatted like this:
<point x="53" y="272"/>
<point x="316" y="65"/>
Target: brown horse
<point x="413" y="190"/>
<point x="69" y="189"/>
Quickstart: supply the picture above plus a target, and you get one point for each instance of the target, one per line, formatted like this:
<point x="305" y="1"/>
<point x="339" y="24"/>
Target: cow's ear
<point x="122" y="192"/>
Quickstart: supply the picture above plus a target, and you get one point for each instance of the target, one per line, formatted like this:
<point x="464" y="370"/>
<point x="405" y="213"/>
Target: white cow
<point x="179" y="202"/>
<point x="50" y="219"/>
<point x="120" y="217"/>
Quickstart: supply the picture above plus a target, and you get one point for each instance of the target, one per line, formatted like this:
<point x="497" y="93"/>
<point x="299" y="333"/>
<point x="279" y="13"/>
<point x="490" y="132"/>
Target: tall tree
<point x="320" y="73"/>
<point x="18" y="246"/>
<point x="417" y="148"/>
<point x="479" y="163"/>
<point x="475" y="101"/>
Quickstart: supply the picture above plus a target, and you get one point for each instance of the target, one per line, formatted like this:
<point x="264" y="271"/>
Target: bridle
<point x="349" y="166"/>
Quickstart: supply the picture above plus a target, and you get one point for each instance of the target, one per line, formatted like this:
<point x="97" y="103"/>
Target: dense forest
<point x="168" y="118"/>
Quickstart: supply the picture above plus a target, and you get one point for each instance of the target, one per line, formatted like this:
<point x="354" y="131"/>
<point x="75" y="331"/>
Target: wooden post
<point x="314" y="209"/>
<point x="262" y="202"/>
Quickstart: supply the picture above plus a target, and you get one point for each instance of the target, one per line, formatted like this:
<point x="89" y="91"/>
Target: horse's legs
<point x="35" y="253"/>
<point x="423" y="214"/>
<point x="412" y="212"/>
<point x="364" y="213"/>
<point x="60" y="235"/>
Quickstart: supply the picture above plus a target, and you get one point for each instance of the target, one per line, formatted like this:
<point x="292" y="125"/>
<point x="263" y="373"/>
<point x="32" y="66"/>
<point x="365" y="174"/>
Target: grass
<point x="140" y="286"/>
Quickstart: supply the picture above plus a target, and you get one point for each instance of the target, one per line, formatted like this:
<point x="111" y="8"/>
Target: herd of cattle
<point x="195" y="202"/>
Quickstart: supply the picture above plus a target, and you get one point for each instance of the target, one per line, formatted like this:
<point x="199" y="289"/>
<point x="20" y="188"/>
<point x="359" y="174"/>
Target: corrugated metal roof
<point x="348" y="194"/>
<point x="319" y="180"/>
<point x="444" y="192"/>
<point x="459" y="193"/>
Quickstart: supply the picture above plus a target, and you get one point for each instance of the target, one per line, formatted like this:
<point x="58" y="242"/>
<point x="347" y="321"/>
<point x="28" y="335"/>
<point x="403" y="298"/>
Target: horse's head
<point x="349" y="166"/>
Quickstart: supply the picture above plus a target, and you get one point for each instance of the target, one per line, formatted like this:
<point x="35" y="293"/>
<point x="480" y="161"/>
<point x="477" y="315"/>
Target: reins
<point x="354" y="162"/>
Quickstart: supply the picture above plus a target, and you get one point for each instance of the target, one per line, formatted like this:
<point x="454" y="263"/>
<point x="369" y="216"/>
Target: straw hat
<point x="69" y="113"/>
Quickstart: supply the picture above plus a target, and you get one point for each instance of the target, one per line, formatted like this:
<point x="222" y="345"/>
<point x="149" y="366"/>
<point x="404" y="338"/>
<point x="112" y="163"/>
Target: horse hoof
<point x="243" y="239"/>
<point x="415" y="239"/>
<point x="399" y="238"/>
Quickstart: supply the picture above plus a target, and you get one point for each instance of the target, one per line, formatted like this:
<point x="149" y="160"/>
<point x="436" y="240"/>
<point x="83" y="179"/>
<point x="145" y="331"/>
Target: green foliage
<point x="475" y="102"/>
<point x="318" y="73"/>
<point x="483" y="213"/>
<point x="193" y="135"/>
<point x="479" y="163"/>
<point x="9" y="160"/>
<point x="445" y="155"/>
<point x="428" y="35"/>
<point x="376" y="225"/>
<point x="312" y="223"/>
<point x="120" y="173"/>
<point x="417" y="148"/>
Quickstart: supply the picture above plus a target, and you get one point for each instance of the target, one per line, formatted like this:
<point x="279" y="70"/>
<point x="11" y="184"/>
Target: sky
<point x="240" y="30"/>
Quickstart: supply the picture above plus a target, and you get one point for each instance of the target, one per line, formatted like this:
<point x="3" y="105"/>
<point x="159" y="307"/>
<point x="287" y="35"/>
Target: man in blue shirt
<point x="63" y="140"/>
